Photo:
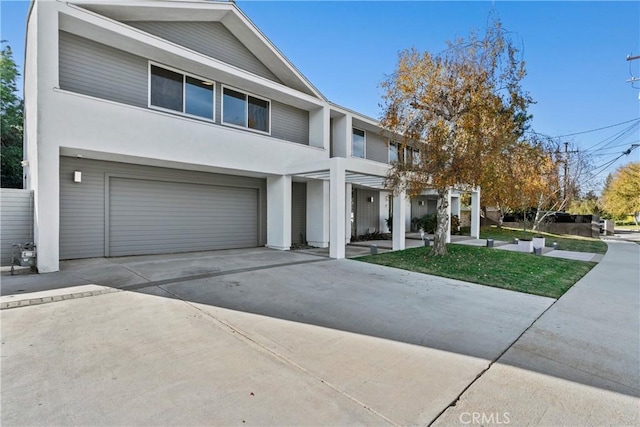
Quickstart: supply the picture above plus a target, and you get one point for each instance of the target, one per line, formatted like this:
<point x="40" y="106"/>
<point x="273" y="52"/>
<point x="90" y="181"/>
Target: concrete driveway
<point x="255" y="337"/>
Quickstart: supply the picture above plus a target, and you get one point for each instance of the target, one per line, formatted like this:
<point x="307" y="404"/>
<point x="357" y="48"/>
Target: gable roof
<point x="227" y="13"/>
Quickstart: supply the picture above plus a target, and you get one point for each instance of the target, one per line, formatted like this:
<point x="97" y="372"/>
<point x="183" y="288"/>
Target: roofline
<point x="278" y="51"/>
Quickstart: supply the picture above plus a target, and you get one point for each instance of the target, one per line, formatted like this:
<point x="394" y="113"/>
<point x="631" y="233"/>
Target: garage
<point x="151" y="217"/>
<point x="120" y="209"/>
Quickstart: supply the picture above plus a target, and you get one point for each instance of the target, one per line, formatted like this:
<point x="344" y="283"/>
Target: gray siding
<point x="377" y="149"/>
<point x="82" y="205"/>
<point x="94" y="69"/>
<point x="298" y="212"/>
<point x="211" y="39"/>
<point x="16" y="220"/>
<point x="417" y="210"/>
<point x="97" y="70"/>
<point x="367" y="213"/>
<point x="289" y="123"/>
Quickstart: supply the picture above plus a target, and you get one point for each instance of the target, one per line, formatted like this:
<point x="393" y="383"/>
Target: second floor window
<point x="358" y="143"/>
<point x="241" y="109"/>
<point x="393" y="153"/>
<point x="171" y="90"/>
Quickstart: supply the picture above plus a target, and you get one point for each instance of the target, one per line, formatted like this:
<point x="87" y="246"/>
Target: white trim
<point x="184" y="92"/>
<point x="246" y="110"/>
<point x="364" y="148"/>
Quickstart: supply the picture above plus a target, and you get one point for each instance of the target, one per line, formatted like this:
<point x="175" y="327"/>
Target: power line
<point x="595" y="130"/>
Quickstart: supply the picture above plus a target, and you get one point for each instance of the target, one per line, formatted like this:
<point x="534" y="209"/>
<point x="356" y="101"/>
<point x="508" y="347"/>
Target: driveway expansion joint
<point x="491" y="363"/>
<point x="239" y="332"/>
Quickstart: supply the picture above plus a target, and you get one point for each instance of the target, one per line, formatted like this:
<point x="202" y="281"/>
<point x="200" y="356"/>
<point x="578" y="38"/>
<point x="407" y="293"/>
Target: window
<point x="241" y="109"/>
<point x="411" y="156"/>
<point x="393" y="153"/>
<point x="171" y="90"/>
<point x="358" y="143"/>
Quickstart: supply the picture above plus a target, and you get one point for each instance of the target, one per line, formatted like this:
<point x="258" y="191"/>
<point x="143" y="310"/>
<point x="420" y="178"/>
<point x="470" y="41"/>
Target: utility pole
<point x="633" y="79"/>
<point x="566" y="168"/>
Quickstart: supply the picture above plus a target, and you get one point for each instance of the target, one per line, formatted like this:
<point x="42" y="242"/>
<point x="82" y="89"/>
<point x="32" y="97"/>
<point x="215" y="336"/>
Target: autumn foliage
<point x="622" y="195"/>
<point x="464" y="109"/>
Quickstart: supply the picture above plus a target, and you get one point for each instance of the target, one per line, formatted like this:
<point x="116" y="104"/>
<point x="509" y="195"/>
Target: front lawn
<point x="517" y="271"/>
<point x="565" y="242"/>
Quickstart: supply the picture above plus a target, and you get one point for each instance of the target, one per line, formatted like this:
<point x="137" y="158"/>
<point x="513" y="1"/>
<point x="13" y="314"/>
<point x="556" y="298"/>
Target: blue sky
<point x="575" y="54"/>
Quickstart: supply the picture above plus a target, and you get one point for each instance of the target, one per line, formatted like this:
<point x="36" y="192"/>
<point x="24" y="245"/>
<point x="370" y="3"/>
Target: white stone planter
<point x="538" y="242"/>
<point x="525" y="246"/>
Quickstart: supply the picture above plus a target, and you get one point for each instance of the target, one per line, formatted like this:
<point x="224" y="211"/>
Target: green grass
<point x="627" y="227"/>
<point x="517" y="271"/>
<point x="565" y="242"/>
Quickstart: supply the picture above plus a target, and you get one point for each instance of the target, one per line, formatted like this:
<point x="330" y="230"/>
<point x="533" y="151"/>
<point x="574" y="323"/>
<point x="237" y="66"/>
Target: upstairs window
<point x="393" y="153"/>
<point x="244" y="110"/>
<point x="358" y="143"/>
<point x="171" y="90"/>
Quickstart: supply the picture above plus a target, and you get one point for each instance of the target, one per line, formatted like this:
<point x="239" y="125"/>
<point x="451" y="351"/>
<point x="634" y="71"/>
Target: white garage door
<point x="152" y="217"/>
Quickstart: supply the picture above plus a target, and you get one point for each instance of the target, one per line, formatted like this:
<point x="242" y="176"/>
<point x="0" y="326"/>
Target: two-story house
<point x="176" y="126"/>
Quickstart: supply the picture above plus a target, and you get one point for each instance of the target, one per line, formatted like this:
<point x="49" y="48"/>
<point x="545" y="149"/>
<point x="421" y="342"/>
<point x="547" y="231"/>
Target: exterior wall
<point x="82" y="205"/>
<point x="298" y="212"/>
<point x="209" y="38"/>
<point x="417" y="210"/>
<point x="289" y="123"/>
<point x="376" y="148"/>
<point x="98" y="70"/>
<point x="16" y="226"/>
<point x="367" y="214"/>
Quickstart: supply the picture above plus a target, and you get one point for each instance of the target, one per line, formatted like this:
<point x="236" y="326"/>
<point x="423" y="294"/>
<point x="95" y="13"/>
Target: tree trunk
<point x="440" y="238"/>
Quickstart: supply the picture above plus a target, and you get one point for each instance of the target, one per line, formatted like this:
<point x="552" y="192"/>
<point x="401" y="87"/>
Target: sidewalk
<point x="579" y="363"/>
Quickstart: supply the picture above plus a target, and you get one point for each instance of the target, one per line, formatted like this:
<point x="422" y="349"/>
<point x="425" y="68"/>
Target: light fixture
<point x="77" y="176"/>
<point x="370" y="199"/>
<point x="420" y="202"/>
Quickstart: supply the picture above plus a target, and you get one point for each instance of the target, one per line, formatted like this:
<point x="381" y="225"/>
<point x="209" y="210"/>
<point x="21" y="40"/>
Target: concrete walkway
<point x="579" y="364"/>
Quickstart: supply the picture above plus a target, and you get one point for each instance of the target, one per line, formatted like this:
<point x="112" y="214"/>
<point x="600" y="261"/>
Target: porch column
<point x="448" y="196"/>
<point x="455" y="206"/>
<point x="348" y="192"/>
<point x="399" y="213"/>
<point x="318" y="213"/>
<point x="46" y="206"/>
<point x="337" y="209"/>
<point x="279" y="212"/>
<point x="475" y="213"/>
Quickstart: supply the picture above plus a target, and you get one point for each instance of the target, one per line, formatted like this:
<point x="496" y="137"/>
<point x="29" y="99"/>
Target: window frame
<point x="364" y="148"/>
<point x="184" y="92"/>
<point x="246" y="109"/>
<point x="393" y="144"/>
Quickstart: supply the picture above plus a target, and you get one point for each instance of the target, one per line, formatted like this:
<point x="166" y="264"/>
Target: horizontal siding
<point x="298" y="212"/>
<point x="98" y="70"/>
<point x="289" y="123"/>
<point x="377" y="149"/>
<point x="82" y="205"/>
<point x="209" y="38"/>
<point x="16" y="220"/>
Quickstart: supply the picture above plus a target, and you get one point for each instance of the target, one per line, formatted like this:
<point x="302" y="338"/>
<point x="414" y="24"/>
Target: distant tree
<point x="465" y="103"/>
<point x="589" y="204"/>
<point x="11" y="114"/>
<point x="622" y="195"/>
